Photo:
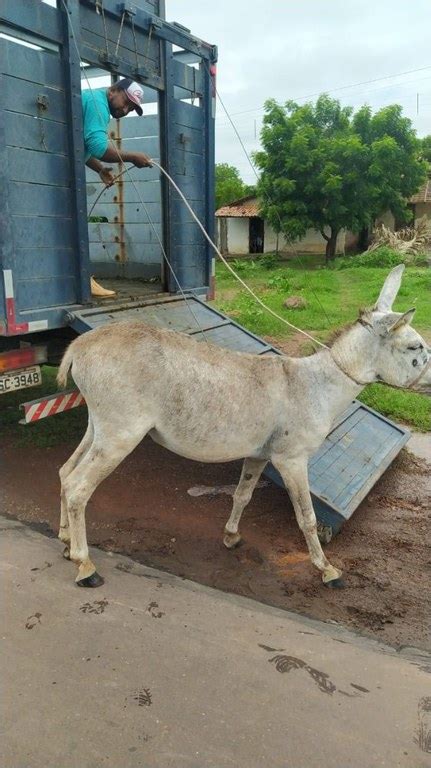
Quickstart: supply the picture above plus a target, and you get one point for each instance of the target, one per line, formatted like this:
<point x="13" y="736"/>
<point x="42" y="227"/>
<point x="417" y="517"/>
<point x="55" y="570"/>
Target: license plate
<point x="25" y="377"/>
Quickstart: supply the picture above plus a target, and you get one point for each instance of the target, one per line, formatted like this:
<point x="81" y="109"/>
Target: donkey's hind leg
<point x="107" y="451"/>
<point x="65" y="470"/>
<point x="251" y="471"/>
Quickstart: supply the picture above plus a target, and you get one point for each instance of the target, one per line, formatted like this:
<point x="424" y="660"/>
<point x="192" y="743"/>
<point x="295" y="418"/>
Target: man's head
<point x="124" y="97"/>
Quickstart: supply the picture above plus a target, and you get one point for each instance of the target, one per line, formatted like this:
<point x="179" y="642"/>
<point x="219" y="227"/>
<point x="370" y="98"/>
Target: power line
<point x="399" y="99"/>
<point x="341" y="88"/>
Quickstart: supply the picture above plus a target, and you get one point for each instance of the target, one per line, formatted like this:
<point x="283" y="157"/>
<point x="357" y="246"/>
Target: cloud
<point x="284" y="49"/>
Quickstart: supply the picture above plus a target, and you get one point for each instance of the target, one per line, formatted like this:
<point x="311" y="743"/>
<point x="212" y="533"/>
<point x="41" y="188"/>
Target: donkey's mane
<point x="364" y="313"/>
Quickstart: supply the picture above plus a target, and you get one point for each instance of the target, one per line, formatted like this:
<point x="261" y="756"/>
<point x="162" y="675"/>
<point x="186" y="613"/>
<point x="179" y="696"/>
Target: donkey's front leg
<point x="295" y="476"/>
<point x="251" y="471"/>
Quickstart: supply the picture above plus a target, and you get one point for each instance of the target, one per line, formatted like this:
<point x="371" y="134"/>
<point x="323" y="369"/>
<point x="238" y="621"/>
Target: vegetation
<point x="380" y="257"/>
<point x="326" y="170"/>
<point x="229" y="185"/>
<point x="332" y="298"/>
<point x="425" y="149"/>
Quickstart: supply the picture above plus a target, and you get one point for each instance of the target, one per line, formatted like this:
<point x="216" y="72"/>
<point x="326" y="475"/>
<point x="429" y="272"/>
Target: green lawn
<point x="333" y="298"/>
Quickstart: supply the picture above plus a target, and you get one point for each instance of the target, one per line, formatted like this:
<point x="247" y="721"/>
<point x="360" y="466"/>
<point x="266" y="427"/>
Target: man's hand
<point x="107" y="176"/>
<point x="140" y="160"/>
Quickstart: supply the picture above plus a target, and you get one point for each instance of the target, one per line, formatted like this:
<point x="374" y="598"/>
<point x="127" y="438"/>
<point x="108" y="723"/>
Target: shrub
<point x="381" y="257"/>
<point x="269" y="260"/>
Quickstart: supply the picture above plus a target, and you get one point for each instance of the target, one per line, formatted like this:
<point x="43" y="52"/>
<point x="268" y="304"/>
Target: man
<point x="98" y="107"/>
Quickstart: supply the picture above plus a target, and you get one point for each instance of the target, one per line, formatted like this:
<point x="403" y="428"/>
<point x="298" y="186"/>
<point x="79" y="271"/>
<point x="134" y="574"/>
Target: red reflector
<point x="21" y="358"/>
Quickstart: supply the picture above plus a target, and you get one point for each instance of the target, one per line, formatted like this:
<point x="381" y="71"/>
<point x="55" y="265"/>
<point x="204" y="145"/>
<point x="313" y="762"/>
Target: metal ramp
<point x="356" y="452"/>
<point x="174" y="313"/>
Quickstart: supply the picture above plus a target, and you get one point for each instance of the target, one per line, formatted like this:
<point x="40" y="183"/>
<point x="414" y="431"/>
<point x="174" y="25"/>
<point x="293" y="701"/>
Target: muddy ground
<point x="145" y="510"/>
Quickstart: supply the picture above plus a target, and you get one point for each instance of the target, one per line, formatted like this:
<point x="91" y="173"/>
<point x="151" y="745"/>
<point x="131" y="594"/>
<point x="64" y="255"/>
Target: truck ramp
<point x="357" y="451"/>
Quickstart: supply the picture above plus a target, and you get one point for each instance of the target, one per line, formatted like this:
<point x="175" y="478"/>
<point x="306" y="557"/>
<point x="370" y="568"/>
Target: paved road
<point x="157" y="672"/>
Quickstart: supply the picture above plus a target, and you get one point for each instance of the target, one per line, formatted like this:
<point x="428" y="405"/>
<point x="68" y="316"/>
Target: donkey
<point x="214" y="405"/>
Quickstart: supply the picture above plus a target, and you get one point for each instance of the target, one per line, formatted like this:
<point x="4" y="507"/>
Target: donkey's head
<point x="402" y="358"/>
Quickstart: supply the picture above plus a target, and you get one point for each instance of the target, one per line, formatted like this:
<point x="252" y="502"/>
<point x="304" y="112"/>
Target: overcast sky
<point x="289" y="49"/>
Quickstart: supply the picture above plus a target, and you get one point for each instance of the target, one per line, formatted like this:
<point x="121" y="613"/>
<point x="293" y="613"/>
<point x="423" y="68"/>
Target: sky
<point x="286" y="49"/>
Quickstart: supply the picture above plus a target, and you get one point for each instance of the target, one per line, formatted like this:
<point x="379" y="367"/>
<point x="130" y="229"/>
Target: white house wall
<point x="313" y="242"/>
<point x="422" y="209"/>
<point x="238" y="235"/>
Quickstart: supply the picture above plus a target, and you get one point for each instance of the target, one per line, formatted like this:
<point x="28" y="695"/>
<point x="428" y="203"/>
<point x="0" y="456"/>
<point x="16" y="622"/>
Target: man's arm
<point x="104" y="172"/>
<point x="139" y="159"/>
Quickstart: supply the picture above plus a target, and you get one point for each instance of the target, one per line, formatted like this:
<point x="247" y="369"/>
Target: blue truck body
<point x="46" y="258"/>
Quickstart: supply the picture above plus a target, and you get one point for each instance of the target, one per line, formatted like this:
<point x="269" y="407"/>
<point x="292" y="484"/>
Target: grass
<point x="333" y="297"/>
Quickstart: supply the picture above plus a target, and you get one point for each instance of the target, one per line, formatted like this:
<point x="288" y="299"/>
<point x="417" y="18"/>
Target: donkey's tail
<point x="65" y="366"/>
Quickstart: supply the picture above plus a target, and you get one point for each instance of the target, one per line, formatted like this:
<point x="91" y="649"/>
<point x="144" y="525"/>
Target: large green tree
<point x="326" y="170"/>
<point x="228" y="185"/>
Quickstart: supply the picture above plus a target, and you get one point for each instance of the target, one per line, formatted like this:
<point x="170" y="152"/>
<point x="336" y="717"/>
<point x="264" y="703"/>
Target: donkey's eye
<point x="413" y="349"/>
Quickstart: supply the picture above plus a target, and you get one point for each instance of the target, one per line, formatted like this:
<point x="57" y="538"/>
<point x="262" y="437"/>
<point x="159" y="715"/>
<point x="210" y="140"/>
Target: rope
<point x="135" y="44"/>
<point x="228" y="266"/>
<point x="119" y="34"/>
<point x="104" y="190"/>
<point x="268" y="200"/>
<point x="100" y="5"/>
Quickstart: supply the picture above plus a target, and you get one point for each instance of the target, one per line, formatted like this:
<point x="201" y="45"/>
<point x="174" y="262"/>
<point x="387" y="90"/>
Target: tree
<point x="396" y="168"/>
<point x="325" y="170"/>
<point x="228" y="185"/>
<point x="425" y="149"/>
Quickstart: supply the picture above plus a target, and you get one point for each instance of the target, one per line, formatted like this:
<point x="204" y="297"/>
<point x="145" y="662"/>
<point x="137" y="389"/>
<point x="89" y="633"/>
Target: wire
<point x="228" y="266"/>
<point x="268" y="200"/>
<point x="340" y="88"/>
<point x="106" y="186"/>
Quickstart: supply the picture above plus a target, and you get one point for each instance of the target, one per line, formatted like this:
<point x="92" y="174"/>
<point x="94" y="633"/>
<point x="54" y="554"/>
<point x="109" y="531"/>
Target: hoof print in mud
<point x="335" y="584"/>
<point x="97" y="607"/>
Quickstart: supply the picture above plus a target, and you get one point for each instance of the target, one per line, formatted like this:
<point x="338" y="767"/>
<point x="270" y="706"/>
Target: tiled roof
<point x="423" y="195"/>
<point x="249" y="206"/>
<point x="244" y="207"/>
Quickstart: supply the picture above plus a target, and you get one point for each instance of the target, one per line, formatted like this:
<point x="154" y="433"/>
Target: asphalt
<point x="154" y="671"/>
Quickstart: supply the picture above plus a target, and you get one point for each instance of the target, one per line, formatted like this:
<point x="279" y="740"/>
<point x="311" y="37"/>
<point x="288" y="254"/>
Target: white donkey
<point x="210" y="404"/>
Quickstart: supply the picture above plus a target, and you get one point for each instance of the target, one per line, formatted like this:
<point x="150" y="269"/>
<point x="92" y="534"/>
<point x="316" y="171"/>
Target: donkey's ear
<point x="405" y="319"/>
<point x="390" y="289"/>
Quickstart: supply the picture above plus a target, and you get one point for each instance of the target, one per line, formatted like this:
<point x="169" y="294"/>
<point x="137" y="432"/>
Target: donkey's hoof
<point x="91" y="581"/>
<point x="335" y="583"/>
<point x="66" y="553"/>
<point x="231" y="540"/>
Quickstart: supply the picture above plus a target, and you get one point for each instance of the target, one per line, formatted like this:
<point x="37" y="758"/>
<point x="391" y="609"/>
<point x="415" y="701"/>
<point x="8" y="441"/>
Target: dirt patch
<point x="295" y="345"/>
<point x="144" y="510"/>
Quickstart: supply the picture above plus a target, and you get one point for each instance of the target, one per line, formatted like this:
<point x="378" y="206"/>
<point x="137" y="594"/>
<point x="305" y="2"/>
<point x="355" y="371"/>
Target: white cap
<point x="134" y="91"/>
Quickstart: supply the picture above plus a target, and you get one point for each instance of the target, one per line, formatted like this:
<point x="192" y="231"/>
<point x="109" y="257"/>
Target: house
<point x="420" y="204"/>
<point x="241" y="230"/>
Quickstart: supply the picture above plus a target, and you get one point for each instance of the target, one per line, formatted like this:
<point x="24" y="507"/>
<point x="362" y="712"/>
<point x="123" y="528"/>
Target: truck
<point x="58" y="227"/>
